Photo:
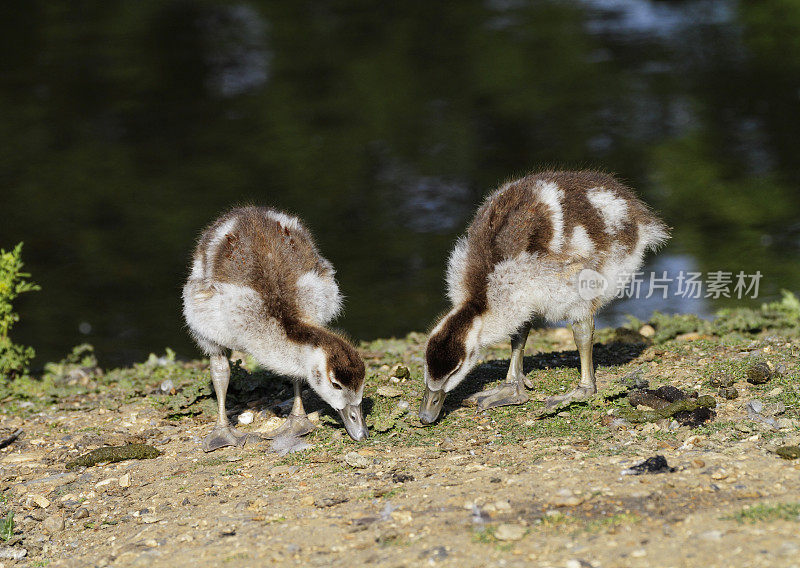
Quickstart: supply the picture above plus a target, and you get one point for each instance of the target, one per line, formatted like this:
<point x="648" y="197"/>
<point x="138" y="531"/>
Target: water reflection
<point x="672" y="300"/>
<point x="128" y="126"/>
<point x="239" y="61"/>
<point x="655" y="20"/>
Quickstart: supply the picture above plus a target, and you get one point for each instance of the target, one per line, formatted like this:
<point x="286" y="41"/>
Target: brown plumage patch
<point x="343" y="360"/>
<point x="446" y="348"/>
<point x="515" y="220"/>
<point x="540" y="232"/>
<point x="265" y="255"/>
<point x="628" y="235"/>
<point x="578" y="210"/>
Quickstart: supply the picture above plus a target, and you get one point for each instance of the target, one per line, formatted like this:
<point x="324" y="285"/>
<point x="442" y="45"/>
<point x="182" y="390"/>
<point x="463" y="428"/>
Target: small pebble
<point x="167" y="386"/>
<point x="53" y="524"/>
<point x="38" y="500"/>
<point x="81" y="513"/>
<point x="650" y="427"/>
<point x="400" y="371"/>
<point x="125" y="480"/>
<point x="246" y="417"/>
<point x="724" y="381"/>
<point x="502" y="506"/>
<point x="356" y="460"/>
<point x="565" y="498"/>
<point x="759" y="373"/>
<point x="401" y="477"/>
<point x="656" y="464"/>
<point x="323" y="502"/>
<point x="271" y="424"/>
<point x="508" y="531"/>
<point x="306" y="500"/>
<point x="402" y="517"/>
<point x="691" y="336"/>
<point x="648" y="331"/>
<point x="789" y="452"/>
<point x="12" y="553"/>
<point x="389" y="391"/>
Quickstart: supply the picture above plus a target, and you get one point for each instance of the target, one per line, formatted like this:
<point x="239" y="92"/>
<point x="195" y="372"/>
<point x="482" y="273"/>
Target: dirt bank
<point x="507" y="487"/>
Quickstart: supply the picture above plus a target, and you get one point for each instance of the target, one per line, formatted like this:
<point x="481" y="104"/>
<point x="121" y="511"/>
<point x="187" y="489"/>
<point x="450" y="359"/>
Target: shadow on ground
<point x="612" y="354"/>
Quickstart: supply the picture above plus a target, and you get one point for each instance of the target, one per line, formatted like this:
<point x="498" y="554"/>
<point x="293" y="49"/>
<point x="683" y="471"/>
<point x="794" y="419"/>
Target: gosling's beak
<point x="354" y="422"/>
<point x="431" y="406"/>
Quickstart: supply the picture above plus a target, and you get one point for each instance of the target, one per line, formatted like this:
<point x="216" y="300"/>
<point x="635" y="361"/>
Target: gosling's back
<point x="531" y="237"/>
<point x="274" y="255"/>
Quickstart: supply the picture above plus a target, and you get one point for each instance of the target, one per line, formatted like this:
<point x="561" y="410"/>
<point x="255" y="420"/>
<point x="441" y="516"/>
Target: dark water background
<point x="127" y="126"/>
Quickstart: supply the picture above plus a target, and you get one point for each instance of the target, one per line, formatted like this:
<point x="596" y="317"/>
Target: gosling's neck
<point x="295" y="350"/>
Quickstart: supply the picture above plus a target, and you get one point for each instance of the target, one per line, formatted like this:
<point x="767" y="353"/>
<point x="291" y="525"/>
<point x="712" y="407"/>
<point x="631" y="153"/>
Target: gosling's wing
<point x="565" y="220"/>
<point x="316" y="294"/>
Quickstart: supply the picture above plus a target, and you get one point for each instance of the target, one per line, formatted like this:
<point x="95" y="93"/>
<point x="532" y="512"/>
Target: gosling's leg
<point x="583" y="331"/>
<point x="512" y="390"/>
<point x="222" y="435"/>
<point x="297" y="424"/>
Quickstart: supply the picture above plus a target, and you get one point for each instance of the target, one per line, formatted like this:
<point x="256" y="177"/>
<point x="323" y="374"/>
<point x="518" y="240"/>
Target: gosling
<point x="557" y="245"/>
<point x="259" y="285"/>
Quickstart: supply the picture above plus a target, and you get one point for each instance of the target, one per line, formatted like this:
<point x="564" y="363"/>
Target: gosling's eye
<point x="337" y="386"/>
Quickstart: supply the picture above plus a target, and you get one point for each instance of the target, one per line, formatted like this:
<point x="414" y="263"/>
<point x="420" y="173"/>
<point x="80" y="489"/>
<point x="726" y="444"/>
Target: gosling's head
<point x="337" y="375"/>
<point x="451" y="352"/>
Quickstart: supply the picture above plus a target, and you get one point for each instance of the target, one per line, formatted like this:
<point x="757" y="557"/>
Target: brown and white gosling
<point x="259" y="285"/>
<point x="530" y="252"/>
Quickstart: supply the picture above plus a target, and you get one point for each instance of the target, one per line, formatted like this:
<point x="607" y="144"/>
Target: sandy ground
<point x="506" y="487"/>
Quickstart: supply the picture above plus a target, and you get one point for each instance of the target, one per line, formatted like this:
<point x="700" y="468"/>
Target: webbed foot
<point x="222" y="436"/>
<point x="580" y="393"/>
<point x="505" y="394"/>
<point x="296" y="425"/>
